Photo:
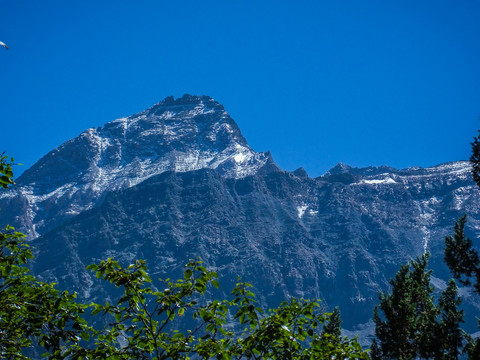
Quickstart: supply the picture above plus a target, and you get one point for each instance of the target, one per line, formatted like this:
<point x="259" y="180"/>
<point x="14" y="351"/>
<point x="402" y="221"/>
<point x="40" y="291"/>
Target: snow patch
<point x="301" y="210"/>
<point x="239" y="158"/>
<point x="387" y="180"/>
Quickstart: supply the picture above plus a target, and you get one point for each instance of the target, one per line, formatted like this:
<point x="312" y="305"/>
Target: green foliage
<point x="475" y="159"/>
<point x="6" y="172"/>
<point x="32" y="313"/>
<point x="461" y="257"/>
<point x="332" y="329"/>
<point x="473" y="348"/>
<point x="409" y="312"/>
<point x="234" y="329"/>
<point x="375" y="351"/>
<point x="449" y="327"/>
<point x="142" y="319"/>
<point x="412" y="325"/>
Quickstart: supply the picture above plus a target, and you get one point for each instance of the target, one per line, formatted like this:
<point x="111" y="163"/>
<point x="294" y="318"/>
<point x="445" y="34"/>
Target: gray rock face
<point x="178" y="181"/>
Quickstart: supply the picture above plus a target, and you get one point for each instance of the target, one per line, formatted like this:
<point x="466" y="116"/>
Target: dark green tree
<point x="412" y="325"/>
<point x="375" y="351"/>
<point x="461" y="257"/>
<point x="407" y="327"/>
<point x="473" y="349"/>
<point x="333" y="327"/>
<point x="475" y="159"/>
<point x="450" y="336"/>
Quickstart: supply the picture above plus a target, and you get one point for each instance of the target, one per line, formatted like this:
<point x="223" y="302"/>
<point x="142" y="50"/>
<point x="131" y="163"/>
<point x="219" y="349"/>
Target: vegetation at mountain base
<point x="461" y="257"/>
<point x="141" y="325"/>
<point x="475" y="159"/>
<point x="410" y="322"/>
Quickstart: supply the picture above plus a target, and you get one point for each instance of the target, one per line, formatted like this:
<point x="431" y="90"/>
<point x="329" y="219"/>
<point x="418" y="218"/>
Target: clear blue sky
<point x="316" y="82"/>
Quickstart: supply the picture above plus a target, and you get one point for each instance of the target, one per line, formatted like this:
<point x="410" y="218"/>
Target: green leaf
<point x="188" y="274"/>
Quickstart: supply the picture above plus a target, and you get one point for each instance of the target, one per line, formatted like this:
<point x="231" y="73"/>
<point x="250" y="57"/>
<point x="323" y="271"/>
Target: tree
<point x="460" y="256"/>
<point x="6" y="171"/>
<point x="449" y="331"/>
<point x="463" y="261"/>
<point x="412" y="324"/>
<point x="409" y="327"/>
<point x="475" y="159"/>
<point x="332" y="328"/>
<point x="32" y="313"/>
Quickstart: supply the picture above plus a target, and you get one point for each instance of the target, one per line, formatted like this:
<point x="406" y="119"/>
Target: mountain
<point x="179" y="181"/>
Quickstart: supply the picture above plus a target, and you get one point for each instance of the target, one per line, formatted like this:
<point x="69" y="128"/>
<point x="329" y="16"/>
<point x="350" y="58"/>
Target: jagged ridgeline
<point x="178" y="181"/>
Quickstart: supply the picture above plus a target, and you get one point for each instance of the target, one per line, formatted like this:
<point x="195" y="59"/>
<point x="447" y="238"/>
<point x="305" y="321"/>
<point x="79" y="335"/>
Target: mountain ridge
<point x="179" y="181"/>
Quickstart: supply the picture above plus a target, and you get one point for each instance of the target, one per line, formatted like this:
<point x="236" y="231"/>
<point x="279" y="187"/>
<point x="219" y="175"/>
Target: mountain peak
<point x="340" y="168"/>
<point x="183" y="134"/>
<point x="186" y="102"/>
<point x="300" y="172"/>
<point x="189" y="133"/>
<point x="187" y="99"/>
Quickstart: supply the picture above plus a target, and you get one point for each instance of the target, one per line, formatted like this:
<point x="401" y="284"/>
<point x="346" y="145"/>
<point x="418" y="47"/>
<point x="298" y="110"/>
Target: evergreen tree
<point x="375" y="352"/>
<point x="333" y="326"/>
<point x="460" y="256"/>
<point x="408" y="326"/>
<point x="450" y="335"/>
<point x="475" y="159"/>
<point x="473" y="349"/>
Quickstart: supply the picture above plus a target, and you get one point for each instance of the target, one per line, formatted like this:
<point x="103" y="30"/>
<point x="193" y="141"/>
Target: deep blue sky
<point x="316" y="82"/>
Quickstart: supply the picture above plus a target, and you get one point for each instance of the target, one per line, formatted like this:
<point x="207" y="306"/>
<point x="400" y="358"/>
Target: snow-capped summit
<point x="180" y="135"/>
<point x="185" y="134"/>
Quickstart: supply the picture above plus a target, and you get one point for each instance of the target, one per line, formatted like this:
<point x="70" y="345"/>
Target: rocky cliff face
<point x="178" y="181"/>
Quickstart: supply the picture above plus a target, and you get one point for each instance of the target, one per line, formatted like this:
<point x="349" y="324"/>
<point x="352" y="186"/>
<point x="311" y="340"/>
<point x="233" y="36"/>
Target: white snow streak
<point x="301" y="210"/>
